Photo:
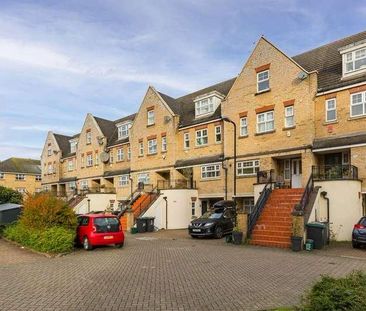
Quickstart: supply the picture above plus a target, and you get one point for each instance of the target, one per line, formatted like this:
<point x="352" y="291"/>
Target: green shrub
<point x="348" y="293"/>
<point x="8" y="195"/>
<point x="50" y="240"/>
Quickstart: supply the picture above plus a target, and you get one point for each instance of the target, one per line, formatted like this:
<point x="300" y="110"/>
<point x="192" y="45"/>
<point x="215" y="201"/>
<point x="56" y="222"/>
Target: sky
<point x="60" y="60"/>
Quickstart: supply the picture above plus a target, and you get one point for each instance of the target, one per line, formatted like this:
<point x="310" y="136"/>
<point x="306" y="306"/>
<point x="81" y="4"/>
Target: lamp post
<point x="226" y="119"/>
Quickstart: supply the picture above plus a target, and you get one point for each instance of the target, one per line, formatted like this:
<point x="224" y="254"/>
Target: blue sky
<point x="62" y="59"/>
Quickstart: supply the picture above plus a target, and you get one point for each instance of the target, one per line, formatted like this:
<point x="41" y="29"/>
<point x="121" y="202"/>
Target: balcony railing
<point x="176" y="184"/>
<point x="335" y="172"/>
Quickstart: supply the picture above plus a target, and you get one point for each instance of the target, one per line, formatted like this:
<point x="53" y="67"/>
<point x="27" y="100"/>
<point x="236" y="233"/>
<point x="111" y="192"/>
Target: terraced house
<point x="23" y="175"/>
<point x="286" y="130"/>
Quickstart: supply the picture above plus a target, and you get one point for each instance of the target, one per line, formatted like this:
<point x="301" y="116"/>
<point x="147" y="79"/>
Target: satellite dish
<point x="302" y="75"/>
<point x="104" y="157"/>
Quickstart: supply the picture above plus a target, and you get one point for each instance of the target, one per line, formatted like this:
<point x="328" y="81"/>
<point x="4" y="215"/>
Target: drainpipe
<point x="324" y="195"/>
<point x="166" y="212"/>
<point x="225" y="168"/>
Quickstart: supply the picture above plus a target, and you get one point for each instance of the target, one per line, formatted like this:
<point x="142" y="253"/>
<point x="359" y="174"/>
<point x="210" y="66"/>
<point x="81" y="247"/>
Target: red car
<point x="99" y="229"/>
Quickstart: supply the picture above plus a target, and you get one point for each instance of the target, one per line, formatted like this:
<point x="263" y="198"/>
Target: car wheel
<point x="218" y="232"/>
<point x="355" y="244"/>
<point x="119" y="245"/>
<point x="86" y="244"/>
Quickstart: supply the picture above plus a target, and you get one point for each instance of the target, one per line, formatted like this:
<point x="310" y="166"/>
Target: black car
<point x="359" y="233"/>
<point x="217" y="222"/>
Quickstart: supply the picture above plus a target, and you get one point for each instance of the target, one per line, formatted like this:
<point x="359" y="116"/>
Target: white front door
<point x="296" y="173"/>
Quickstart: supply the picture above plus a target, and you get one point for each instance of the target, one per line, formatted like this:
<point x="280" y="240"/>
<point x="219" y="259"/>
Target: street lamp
<point x="226" y="119"/>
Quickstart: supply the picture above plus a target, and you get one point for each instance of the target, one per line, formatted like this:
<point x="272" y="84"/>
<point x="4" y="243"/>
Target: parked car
<point x="99" y="229"/>
<point x="217" y="222"/>
<point x="359" y="233"/>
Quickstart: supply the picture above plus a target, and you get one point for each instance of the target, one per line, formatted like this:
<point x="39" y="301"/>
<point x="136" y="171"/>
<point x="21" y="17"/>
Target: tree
<point x="8" y="195"/>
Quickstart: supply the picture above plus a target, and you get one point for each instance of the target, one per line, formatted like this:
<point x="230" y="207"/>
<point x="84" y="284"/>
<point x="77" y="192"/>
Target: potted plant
<point x="237" y="236"/>
<point x="297" y="229"/>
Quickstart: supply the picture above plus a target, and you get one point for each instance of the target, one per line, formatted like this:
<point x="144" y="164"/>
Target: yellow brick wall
<point x="30" y="183"/>
<point x="54" y="159"/>
<point x="358" y="159"/>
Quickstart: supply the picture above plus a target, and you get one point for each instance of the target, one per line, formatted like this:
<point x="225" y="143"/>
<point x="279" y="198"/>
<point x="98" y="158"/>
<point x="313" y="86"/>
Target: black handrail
<point x="335" y="172"/>
<point x="259" y="206"/>
<point x="176" y="184"/>
<point x="149" y="199"/>
<point x="307" y="192"/>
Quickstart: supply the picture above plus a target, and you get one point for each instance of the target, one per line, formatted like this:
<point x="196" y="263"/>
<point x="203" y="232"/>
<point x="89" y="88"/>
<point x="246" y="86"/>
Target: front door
<point x="204" y="206"/>
<point x="296" y="173"/>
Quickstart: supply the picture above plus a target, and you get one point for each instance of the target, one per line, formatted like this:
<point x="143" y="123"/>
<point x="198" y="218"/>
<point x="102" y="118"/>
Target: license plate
<point x="196" y="230"/>
<point x="108" y="237"/>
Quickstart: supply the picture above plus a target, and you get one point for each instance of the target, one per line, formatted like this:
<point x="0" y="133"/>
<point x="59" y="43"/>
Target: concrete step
<point x="271" y="243"/>
<point x="264" y="237"/>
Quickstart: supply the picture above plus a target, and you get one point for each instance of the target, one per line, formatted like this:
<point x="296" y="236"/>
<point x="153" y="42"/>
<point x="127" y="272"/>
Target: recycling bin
<point x="141" y="225"/>
<point x="317" y="232"/>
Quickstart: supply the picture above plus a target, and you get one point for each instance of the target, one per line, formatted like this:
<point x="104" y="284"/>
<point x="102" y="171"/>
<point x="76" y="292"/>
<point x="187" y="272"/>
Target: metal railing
<point x="149" y="199"/>
<point x="176" y="184"/>
<point x="88" y="190"/>
<point x="335" y="172"/>
<point x="259" y="206"/>
<point x="264" y="177"/>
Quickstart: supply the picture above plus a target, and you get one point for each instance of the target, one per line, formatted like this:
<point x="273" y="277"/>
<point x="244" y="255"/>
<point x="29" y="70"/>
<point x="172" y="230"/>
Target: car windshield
<point x="106" y="224"/>
<point x="211" y="215"/>
<point x="363" y="221"/>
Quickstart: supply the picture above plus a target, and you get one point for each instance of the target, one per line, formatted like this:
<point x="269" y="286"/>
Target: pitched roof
<point x="64" y="144"/>
<point x="113" y="139"/>
<point x="198" y="161"/>
<point x="117" y="172"/>
<point x="21" y="165"/>
<point x="340" y="141"/>
<point x="327" y="60"/>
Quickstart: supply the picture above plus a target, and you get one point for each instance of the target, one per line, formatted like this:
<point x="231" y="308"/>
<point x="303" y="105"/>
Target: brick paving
<point x="167" y="271"/>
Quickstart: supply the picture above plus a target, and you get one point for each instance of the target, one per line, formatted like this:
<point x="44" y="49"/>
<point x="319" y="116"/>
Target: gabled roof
<point x="21" y="165"/>
<point x="64" y="144"/>
<point x="327" y="60"/>
<point x="106" y="126"/>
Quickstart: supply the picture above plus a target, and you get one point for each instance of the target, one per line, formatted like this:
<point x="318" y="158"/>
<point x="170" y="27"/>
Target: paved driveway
<point x="163" y="271"/>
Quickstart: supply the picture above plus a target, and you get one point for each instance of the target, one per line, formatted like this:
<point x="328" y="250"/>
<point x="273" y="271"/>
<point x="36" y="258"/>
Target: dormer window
<point x="123" y="130"/>
<point x="204" y="106"/>
<point x="73" y="144"/>
<point x="354" y="58"/>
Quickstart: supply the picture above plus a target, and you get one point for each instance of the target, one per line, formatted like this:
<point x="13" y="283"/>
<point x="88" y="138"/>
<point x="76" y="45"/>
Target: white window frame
<point x="19" y="176"/>
<point x="89" y="160"/>
<point x="120" y="155"/>
<point x="211" y="171"/>
<point x="202" y="137"/>
<point x="244" y="126"/>
<point x="266" y="121"/>
<point x="49" y="151"/>
<point x="164" y="145"/>
<point x="123" y="180"/>
<point x="350" y="58"/>
<point x="88" y="137"/>
<point x="141" y="148"/>
<point x="123" y="130"/>
<point x="261" y="80"/>
<point x="289" y="115"/>
<point x="186" y="141"/>
<point x="151" y="117"/>
<point x="362" y="103"/>
<point x="111" y="156"/>
<point x="152" y="146"/>
<point x="327" y="109"/>
<point x="143" y="177"/>
<point x="204" y="106"/>
<point x="84" y="185"/>
<point x="70" y="165"/>
<point x="50" y="169"/>
<point x="218" y="133"/>
<point x="73" y="145"/>
<point x="248" y="164"/>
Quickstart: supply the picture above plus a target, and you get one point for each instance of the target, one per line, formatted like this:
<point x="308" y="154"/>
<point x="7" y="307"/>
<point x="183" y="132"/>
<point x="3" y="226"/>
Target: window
<point x="144" y="178"/>
<point x="354" y="61"/>
<point x="111" y="156"/>
<point x="88" y="137"/>
<point x="129" y="152"/>
<point x="287" y="169"/>
<point x="70" y="166"/>
<point x="123" y="180"/>
<point x="244" y="126"/>
<point x="141" y="149"/>
<point x="246" y="168"/>
<point x="163" y="144"/>
<point x="50" y="169"/>
<point x="71" y="185"/>
<point x="2" y="175"/>
<point x="123" y="130"/>
<point x="345" y="158"/>
<point x="289" y="116"/>
<point x="19" y="177"/>
<point x="89" y="160"/>
<point x="73" y="146"/>
<point x="186" y="140"/>
<point x="21" y="190"/>
<point x="210" y="171"/>
<point x="152" y="146"/>
<point x="330" y="110"/>
<point x="84" y="184"/>
<point x="150" y="117"/>
<point x="82" y="161"/>
<point x="201" y="137"/>
<point x="265" y="122"/>
<point x="263" y="81"/>
<point x="49" y="151"/>
<point x="204" y="106"/>
<point x="218" y="135"/>
<point x="120" y="155"/>
<point x="358" y="104"/>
